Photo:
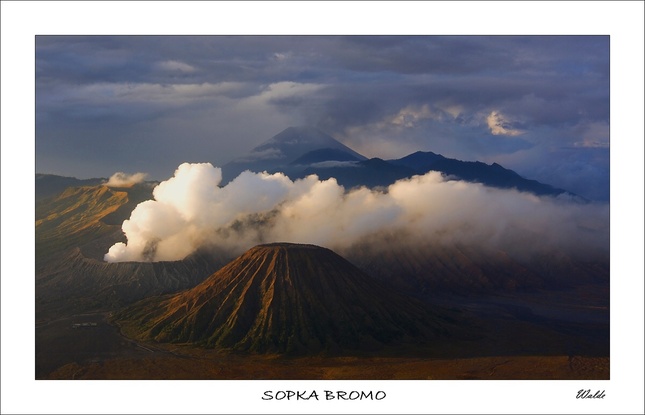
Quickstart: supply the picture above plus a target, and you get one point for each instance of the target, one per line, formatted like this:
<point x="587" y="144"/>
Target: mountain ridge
<point x="49" y="185"/>
<point x="493" y="175"/>
<point x="302" y="151"/>
<point x="75" y="282"/>
<point x="85" y="216"/>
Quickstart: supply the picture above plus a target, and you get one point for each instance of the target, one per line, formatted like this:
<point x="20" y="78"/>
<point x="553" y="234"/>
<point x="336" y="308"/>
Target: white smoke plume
<point x="190" y="211"/>
<point x="120" y="179"/>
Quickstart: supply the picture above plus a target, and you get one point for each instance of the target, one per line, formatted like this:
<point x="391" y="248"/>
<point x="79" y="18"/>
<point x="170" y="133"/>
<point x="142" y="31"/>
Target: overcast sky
<point x="538" y="105"/>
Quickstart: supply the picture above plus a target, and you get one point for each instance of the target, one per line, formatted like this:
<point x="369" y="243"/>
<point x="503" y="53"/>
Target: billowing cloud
<point x="499" y="125"/>
<point x="190" y="211"/>
<point x="120" y="179"/>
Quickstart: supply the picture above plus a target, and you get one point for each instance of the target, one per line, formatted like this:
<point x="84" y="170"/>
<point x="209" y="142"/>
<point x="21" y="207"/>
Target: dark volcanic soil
<point x="255" y="367"/>
<point x="58" y="343"/>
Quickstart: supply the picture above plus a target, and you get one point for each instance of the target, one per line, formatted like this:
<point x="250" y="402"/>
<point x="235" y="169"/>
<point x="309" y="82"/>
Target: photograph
<point x="322" y="207"/>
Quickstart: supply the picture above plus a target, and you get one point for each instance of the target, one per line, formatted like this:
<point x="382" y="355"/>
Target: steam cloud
<point x="120" y="179"/>
<point x="190" y="211"/>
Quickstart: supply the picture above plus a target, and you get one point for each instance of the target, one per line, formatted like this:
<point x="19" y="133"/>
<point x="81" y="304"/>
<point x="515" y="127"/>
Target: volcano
<point x="292" y="145"/>
<point x="287" y="298"/>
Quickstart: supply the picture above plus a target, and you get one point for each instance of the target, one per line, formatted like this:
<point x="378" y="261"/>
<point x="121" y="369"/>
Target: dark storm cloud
<point x="460" y="55"/>
<point x="161" y="99"/>
<point x="140" y="58"/>
<point x="541" y="80"/>
<point x="481" y="70"/>
<point x="417" y="55"/>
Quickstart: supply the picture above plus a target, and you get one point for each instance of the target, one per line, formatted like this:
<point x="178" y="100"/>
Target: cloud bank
<point x="191" y="211"/>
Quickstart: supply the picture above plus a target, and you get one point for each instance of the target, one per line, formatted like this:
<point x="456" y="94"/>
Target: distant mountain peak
<point x="295" y="141"/>
<point x="281" y="150"/>
<point x="300" y="134"/>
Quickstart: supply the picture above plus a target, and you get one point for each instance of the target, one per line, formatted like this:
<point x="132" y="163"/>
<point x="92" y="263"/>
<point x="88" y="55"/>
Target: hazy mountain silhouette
<point x="277" y="153"/>
<point x="302" y="151"/>
<point x="492" y="175"/>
